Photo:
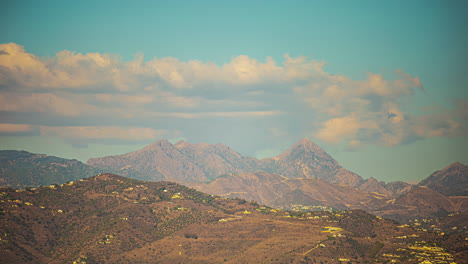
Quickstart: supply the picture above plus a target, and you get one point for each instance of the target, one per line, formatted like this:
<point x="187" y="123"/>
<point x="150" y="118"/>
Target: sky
<point x="380" y="85"/>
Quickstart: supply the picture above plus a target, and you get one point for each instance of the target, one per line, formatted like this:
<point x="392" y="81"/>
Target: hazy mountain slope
<point x="22" y="169"/>
<point x="450" y="181"/>
<point x="111" y="219"/>
<point x="279" y="191"/>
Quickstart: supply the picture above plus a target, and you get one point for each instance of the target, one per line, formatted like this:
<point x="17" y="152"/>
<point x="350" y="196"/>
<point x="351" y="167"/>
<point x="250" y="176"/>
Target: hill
<point x="112" y="219"/>
<point x="21" y="169"/>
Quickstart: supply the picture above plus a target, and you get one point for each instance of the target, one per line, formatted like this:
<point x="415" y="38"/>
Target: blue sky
<point x="380" y="85"/>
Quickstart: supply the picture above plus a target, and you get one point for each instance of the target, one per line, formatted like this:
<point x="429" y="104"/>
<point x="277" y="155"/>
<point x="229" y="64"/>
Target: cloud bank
<point x="93" y="96"/>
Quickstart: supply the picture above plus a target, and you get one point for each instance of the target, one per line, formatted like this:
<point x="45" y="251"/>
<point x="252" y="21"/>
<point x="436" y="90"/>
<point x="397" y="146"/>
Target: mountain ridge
<point x="204" y="162"/>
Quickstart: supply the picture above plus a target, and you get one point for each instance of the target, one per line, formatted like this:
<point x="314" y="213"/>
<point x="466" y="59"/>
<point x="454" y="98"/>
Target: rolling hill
<point x="112" y="219"/>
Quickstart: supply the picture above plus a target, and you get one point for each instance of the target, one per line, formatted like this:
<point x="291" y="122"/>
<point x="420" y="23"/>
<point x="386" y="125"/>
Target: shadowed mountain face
<point x="112" y="219"/>
<point x="20" y="169"/>
<point x="450" y="181"/>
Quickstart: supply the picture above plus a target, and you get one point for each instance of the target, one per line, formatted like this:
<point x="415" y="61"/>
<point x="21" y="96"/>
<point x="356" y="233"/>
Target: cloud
<point x="282" y="99"/>
<point x="101" y="132"/>
<point x="338" y="129"/>
<point x="246" y="114"/>
<point x="57" y="104"/>
<point x="12" y="128"/>
<point x="94" y="70"/>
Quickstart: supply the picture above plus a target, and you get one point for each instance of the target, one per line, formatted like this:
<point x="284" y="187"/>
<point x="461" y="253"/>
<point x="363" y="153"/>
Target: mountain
<point x="112" y="219"/>
<point x="306" y="159"/>
<point x="182" y="161"/>
<point x="20" y="169"/>
<point x="450" y="181"/>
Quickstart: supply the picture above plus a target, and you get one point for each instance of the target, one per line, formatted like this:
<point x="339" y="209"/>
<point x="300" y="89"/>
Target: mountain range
<point x="303" y="175"/>
<point x="191" y="163"/>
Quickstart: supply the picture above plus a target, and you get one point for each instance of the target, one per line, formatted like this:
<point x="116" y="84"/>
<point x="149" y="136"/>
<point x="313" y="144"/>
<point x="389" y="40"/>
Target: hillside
<point x="112" y="219"/>
<point x="422" y="202"/>
<point x="281" y="192"/>
<point x="20" y="169"/>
